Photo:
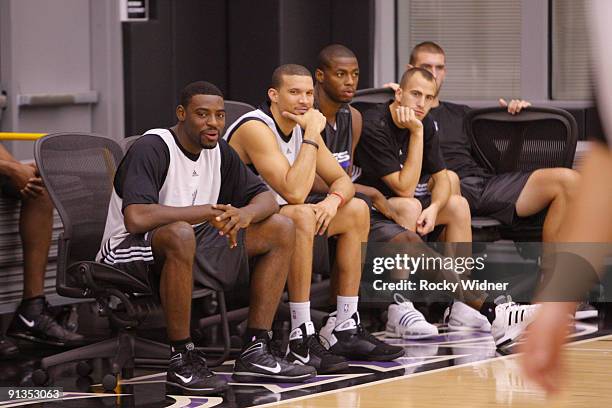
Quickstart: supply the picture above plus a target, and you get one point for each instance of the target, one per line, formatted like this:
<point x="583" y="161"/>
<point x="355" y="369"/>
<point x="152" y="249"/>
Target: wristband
<point x="310" y="142"/>
<point x="337" y="194"/>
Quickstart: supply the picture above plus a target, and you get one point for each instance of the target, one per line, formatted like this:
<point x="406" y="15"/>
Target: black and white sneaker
<point x="511" y="321"/>
<point x="305" y="348"/>
<point x="188" y="374"/>
<point x="351" y="340"/>
<point x="42" y="327"/>
<point x="257" y="363"/>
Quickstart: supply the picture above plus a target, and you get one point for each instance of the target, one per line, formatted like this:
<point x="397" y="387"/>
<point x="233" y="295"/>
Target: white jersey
<point x="187" y="182"/>
<point x="289" y="146"/>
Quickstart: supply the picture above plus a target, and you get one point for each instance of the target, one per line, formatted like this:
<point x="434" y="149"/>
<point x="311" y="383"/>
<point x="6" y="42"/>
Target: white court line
<point x="438" y="370"/>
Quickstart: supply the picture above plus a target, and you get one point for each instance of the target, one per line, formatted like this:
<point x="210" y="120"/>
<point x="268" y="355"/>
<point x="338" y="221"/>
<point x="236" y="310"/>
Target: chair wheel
<point x="83" y="369"/>
<point x="84" y="384"/>
<point x="40" y="377"/>
<point x="109" y="382"/>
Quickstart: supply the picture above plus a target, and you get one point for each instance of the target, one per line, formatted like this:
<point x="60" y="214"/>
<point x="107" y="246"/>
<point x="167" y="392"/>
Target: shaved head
<point x="425" y="46"/>
<point x="331" y="52"/>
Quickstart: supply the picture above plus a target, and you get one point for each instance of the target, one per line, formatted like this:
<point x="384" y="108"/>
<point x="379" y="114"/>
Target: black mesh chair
<point x="365" y="98"/>
<point x="78" y="171"/>
<point x="234" y="110"/>
<point x="537" y="138"/>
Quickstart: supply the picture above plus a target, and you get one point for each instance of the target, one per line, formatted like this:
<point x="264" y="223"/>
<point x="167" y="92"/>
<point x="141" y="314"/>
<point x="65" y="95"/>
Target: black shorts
<point x="216" y="265"/>
<point x="494" y="195"/>
<point x="382" y="229"/>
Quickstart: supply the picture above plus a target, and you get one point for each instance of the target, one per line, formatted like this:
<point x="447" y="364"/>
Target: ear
<point x="180" y="113"/>
<point x="409" y="66"/>
<point x="398" y="95"/>
<point x="273" y="95"/>
<point x="319" y="75"/>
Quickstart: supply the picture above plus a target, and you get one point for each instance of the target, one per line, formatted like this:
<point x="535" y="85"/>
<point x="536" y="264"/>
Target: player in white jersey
<point x="184" y="206"/>
<point x="283" y="143"/>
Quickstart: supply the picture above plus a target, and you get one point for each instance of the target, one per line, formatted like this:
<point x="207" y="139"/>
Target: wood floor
<point x="492" y="383"/>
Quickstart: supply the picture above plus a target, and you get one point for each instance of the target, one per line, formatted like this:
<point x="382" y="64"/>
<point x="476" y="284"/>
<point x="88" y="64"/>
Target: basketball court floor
<point x="458" y="369"/>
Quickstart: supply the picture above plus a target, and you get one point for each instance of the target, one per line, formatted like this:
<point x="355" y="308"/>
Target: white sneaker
<point x="510" y="322"/>
<point x="406" y="322"/>
<point x="461" y="317"/>
<point x="585" y="311"/>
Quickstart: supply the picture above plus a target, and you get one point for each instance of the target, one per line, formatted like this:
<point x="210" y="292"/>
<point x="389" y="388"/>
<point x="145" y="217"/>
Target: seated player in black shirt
<point x="184" y="206"/>
<point x="503" y="196"/>
<point x="400" y="156"/>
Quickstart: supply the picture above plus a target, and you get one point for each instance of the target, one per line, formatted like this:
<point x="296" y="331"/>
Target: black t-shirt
<point x="143" y="171"/>
<point x="383" y="149"/>
<point x="455" y="144"/>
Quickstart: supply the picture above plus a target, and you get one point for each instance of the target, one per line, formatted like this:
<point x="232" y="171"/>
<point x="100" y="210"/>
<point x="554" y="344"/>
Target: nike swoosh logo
<point x="274" y="370"/>
<point x="304" y="360"/>
<point x="185" y="379"/>
<point x="29" y="323"/>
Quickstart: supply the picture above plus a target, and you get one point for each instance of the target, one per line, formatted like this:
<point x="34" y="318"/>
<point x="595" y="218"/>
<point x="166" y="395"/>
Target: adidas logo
<point x="194" y="174"/>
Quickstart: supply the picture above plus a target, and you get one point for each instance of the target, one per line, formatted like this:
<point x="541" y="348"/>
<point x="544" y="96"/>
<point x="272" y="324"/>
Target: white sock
<point x="347" y="306"/>
<point x="300" y="313"/>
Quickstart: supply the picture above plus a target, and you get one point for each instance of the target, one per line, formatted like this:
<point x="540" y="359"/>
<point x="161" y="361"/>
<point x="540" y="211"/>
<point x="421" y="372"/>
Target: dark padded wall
<point x="236" y="45"/>
<point x="185" y="41"/>
<point x="253" y="48"/>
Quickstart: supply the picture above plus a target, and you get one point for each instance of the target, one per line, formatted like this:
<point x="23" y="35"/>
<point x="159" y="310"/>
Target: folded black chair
<point x="537" y="138"/>
<point x="78" y="171"/>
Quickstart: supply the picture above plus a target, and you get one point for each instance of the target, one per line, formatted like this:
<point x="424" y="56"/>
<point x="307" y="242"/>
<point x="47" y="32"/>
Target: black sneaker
<point x="351" y="340"/>
<point x="305" y="348"/>
<point x="42" y="327"/>
<point x="7" y="348"/>
<point x="257" y="363"/>
<point x="189" y="374"/>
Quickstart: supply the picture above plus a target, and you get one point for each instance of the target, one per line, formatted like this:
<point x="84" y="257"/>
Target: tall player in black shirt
<point x="336" y="77"/>
<point x="502" y="196"/>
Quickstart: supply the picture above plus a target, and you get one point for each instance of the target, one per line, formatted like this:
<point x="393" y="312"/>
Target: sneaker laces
<point x="400" y="299"/>
<point x="196" y="360"/>
<point x="314" y="343"/>
<point x="363" y="333"/>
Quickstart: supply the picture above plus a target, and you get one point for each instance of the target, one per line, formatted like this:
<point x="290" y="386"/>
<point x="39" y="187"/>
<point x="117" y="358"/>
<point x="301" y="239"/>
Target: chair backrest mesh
<point x="536" y="138"/>
<point x="78" y="171"/>
<point x="234" y="110"/>
<point x="367" y="98"/>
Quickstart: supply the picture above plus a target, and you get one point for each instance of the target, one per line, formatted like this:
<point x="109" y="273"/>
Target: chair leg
<point x="224" y="329"/>
<point x="103" y="349"/>
<point x="144" y="348"/>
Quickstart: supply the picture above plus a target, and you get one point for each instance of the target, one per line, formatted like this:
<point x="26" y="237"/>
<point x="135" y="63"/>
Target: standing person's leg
<point x="35" y="227"/>
<point x="33" y="321"/>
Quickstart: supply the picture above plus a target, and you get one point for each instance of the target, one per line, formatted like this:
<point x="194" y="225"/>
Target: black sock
<point x="253" y="334"/>
<point x="488" y="308"/>
<point x="181" y="346"/>
<point x="32" y="306"/>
